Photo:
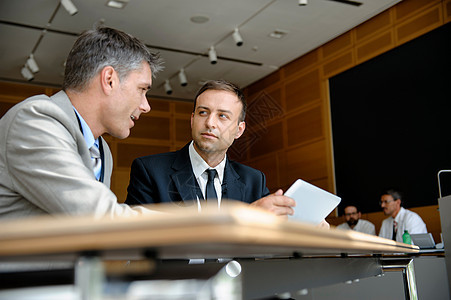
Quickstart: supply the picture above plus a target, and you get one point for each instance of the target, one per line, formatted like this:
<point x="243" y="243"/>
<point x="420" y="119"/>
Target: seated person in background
<point x="399" y="219"/>
<point x="47" y="159"/>
<point x="183" y="176"/>
<point x="353" y="221"/>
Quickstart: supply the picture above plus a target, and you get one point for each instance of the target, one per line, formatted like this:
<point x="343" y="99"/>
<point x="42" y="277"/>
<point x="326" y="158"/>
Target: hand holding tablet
<point x="313" y="204"/>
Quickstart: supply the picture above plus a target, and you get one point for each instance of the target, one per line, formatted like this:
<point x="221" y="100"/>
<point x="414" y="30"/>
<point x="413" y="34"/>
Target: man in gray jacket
<point x="53" y="159"/>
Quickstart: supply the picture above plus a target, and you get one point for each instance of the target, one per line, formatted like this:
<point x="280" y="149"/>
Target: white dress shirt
<point x="407" y="220"/>
<point x="199" y="166"/>
<point x="361" y="226"/>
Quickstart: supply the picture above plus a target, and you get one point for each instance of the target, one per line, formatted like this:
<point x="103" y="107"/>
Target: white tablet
<point x="312" y="203"/>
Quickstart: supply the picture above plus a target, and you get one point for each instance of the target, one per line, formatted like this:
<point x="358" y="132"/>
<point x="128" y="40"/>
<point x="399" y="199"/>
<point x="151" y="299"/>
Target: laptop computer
<point x="423" y="240"/>
<point x="312" y="203"/>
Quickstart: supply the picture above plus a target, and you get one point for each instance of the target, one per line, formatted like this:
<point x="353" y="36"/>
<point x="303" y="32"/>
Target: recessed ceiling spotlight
<point x="120" y="4"/>
<point x="199" y="19"/>
<point x="69" y="6"/>
<point x="278" y="34"/>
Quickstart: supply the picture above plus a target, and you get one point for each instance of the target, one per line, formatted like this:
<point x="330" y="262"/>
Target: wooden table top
<point x="237" y="230"/>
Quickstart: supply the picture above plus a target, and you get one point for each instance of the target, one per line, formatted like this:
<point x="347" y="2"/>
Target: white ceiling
<point x="165" y="26"/>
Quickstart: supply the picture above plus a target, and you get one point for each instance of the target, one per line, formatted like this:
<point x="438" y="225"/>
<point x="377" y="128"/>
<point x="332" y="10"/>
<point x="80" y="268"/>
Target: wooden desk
<point x="294" y="253"/>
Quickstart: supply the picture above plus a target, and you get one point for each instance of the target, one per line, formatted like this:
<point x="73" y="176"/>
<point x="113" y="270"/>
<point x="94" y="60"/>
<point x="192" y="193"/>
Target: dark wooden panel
<point x="405" y="8"/>
<point x="336" y="45"/>
<point x="126" y="153"/>
<point x="4" y="107"/>
<point x="151" y="127"/>
<point x="307" y="162"/>
<point x="372" y="26"/>
<point x="340" y="63"/>
<point x="182" y="130"/>
<point x="268" y="140"/>
<point x="159" y="105"/>
<point x="301" y="63"/>
<point x="268" y="165"/>
<point x="419" y="25"/>
<point x="184" y="107"/>
<point x="375" y="46"/>
<point x="305" y="126"/>
<point x="20" y="91"/>
<point x="303" y="90"/>
<point x="263" y="83"/>
<point x="264" y="107"/>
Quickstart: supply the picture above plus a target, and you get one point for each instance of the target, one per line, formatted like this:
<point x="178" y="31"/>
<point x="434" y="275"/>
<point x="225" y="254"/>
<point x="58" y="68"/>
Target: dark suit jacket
<point x="168" y="177"/>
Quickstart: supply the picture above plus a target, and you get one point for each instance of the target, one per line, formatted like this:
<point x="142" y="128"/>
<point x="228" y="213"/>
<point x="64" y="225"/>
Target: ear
<point x="241" y="128"/>
<point x="108" y="79"/>
<point x="192" y="120"/>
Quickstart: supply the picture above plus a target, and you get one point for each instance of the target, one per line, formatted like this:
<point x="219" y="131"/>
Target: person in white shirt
<point x="354" y="221"/>
<point x="399" y="219"/>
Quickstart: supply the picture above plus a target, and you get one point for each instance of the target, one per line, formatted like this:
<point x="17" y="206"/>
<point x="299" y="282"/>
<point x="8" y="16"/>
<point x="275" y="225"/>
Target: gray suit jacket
<point x="45" y="164"/>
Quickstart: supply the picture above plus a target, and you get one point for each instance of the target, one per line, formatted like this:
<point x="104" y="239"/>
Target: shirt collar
<point x="199" y="165"/>
<point x="400" y="214"/>
<point x="87" y="133"/>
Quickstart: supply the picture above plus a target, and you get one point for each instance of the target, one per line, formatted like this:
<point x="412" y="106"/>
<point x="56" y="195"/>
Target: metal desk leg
<point x="89" y="277"/>
<point x="408" y="275"/>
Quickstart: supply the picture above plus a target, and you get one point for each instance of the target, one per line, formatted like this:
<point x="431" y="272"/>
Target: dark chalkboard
<point x="391" y="123"/>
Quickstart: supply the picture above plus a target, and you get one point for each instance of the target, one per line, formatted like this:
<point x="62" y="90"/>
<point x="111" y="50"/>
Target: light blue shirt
<point x="88" y="136"/>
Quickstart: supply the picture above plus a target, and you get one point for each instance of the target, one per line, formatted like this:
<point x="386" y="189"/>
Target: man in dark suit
<point x="182" y="176"/>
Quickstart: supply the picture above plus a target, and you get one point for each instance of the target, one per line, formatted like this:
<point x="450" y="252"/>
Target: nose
<point x="210" y="122"/>
<point x="144" y="106"/>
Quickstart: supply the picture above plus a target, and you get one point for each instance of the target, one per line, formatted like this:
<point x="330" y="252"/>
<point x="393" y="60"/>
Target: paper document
<point x="312" y="203"/>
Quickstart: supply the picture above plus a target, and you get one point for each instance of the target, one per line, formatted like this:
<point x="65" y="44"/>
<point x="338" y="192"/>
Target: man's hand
<point x="324" y="224"/>
<point x="277" y="203"/>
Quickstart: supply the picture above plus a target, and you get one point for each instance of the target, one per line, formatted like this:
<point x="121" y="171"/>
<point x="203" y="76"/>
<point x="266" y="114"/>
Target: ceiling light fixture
<point x="167" y="87"/>
<point x="31" y="64"/>
<point x="182" y="77"/>
<point x="199" y="19"/>
<point x="303" y="2"/>
<point x="119" y="4"/>
<point x="237" y="37"/>
<point x="212" y="55"/>
<point x="26" y="73"/>
<point x="69" y="6"/>
<point x="278" y="34"/>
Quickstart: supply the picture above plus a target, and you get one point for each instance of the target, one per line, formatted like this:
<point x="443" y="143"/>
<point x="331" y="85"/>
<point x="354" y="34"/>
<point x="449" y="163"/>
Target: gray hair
<point x="394" y="193"/>
<point x="101" y="47"/>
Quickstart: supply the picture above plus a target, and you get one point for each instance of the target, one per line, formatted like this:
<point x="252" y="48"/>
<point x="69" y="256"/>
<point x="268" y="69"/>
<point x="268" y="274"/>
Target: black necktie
<point x="395" y="230"/>
<point x="210" y="192"/>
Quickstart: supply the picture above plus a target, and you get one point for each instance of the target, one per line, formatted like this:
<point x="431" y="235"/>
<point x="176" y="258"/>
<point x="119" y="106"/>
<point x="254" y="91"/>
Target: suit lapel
<point x="232" y="187"/>
<point x="183" y="177"/>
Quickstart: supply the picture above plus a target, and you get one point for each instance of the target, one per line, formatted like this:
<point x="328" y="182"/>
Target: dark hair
<point x="222" y="85"/>
<point x="394" y="193"/>
<point x="101" y="47"/>
<point x="347" y="205"/>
